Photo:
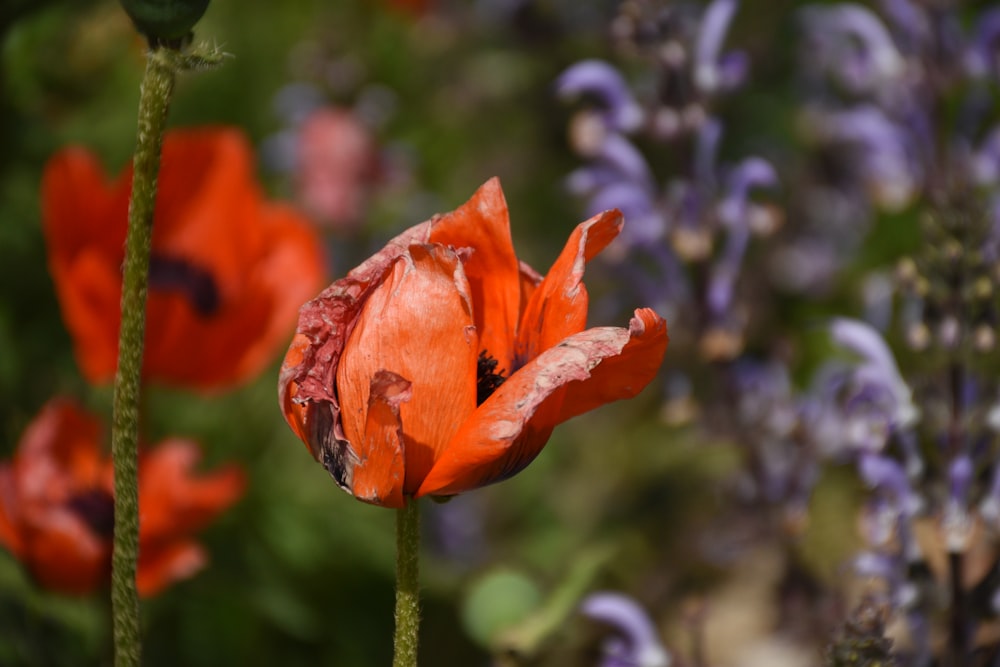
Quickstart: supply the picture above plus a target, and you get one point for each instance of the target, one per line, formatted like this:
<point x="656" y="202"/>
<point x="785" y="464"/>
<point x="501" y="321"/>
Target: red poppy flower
<point x="442" y="364"/>
<point x="57" y="507"/>
<point x="227" y="273"/>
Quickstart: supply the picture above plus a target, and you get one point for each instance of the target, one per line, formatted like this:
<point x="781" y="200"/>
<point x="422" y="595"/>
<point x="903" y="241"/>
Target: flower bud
<point x="164" y="20"/>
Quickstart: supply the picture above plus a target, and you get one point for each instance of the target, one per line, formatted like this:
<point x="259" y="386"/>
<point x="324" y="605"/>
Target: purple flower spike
<point x="646" y="223"/>
<point x="598" y="78"/>
<point x="885" y="474"/>
<point x="855" y="46"/>
<point x="879" y="368"/>
<point x="908" y="19"/>
<point x="885" y="161"/>
<point x="865" y="341"/>
<point x="710" y="74"/>
<point x="726" y="269"/>
<point x="986" y="161"/>
<point x="619" y="153"/>
<point x="960" y="477"/>
<point x="706" y="149"/>
<point x="638" y="644"/>
<point x="753" y="172"/>
<point x="989" y="508"/>
<point x="890" y="570"/>
<point x="957" y="523"/>
<point x="982" y="57"/>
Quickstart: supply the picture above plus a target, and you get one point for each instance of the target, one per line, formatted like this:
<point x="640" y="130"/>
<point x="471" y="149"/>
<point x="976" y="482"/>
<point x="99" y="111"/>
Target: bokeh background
<point x="647" y="498"/>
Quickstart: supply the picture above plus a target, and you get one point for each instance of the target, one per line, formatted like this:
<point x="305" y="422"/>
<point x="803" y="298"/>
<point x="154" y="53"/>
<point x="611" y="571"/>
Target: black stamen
<point x="97" y="509"/>
<point x="488" y="379"/>
<point x="171" y="274"/>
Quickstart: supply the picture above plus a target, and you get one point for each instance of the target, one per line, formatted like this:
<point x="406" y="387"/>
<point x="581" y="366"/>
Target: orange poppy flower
<point x="227" y="273"/>
<point x="442" y="363"/>
<point x="57" y="505"/>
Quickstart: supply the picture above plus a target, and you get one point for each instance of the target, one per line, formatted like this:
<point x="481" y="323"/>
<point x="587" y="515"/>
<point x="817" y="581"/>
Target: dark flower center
<point x="97" y="509"/>
<point x="170" y="274"/>
<point x="488" y="378"/>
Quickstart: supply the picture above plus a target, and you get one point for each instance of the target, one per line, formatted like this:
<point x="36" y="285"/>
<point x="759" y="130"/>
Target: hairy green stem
<point x="407" y="585"/>
<point x="154" y="100"/>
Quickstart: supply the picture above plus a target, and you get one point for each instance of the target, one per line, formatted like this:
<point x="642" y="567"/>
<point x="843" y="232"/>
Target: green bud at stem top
<point x="165" y="22"/>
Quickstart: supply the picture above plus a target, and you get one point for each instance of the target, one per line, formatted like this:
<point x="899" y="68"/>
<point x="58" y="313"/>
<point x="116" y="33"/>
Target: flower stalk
<point x="407" y="585"/>
<point x="154" y="100"/>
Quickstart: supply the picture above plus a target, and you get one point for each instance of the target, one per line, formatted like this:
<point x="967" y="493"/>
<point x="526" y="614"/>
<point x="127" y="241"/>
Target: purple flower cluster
<point x="900" y="101"/>
<point x="932" y="514"/>
<point x="690" y="235"/>
<point x="901" y="120"/>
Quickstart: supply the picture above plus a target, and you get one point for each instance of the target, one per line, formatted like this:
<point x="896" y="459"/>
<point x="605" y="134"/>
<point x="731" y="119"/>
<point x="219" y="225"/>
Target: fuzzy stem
<point x="407" y="585"/>
<point x="154" y="100"/>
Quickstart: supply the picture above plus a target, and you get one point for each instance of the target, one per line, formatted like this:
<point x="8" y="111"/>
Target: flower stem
<point x="407" y="585"/>
<point x="154" y="100"/>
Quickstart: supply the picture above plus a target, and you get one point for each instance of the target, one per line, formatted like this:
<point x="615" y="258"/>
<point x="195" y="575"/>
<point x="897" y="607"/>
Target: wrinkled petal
<point x="416" y="324"/>
<point x="379" y="474"/>
<point x="492" y="268"/>
<point x="510" y="428"/>
<point x="161" y="566"/>
<point x="308" y="373"/>
<point x="558" y="308"/>
<point x="623" y="375"/>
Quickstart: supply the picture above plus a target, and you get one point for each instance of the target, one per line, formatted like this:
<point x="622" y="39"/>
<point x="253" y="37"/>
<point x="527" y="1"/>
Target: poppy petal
<point x="206" y="193"/>
<point x="380" y="472"/>
<point x="174" y="498"/>
<point x="217" y="249"/>
<point x="63" y="554"/>
<point x="290" y="272"/>
<point x="483" y="224"/>
<point x="622" y="375"/>
<point x="509" y="430"/>
<point x="59" y="454"/>
<point x="80" y="207"/>
<point x="530" y="280"/>
<point x="416" y="324"/>
<point x="163" y="565"/>
<point x="308" y="372"/>
<point x="9" y="511"/>
<point x="558" y="307"/>
<point x="89" y="291"/>
<point x="284" y="275"/>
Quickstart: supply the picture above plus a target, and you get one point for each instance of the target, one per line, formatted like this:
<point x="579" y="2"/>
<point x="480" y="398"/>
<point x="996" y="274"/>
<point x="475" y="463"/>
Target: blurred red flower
<point x="442" y="363"/>
<point x="336" y="164"/>
<point x="227" y="273"/>
<point x="57" y="505"/>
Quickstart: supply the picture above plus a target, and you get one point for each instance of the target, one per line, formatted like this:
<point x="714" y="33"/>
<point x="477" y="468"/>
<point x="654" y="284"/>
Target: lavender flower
<point x="878" y="374"/>
<point x="849" y="42"/>
<point x="711" y="72"/>
<point x="635" y="643"/>
<point x="597" y="78"/>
